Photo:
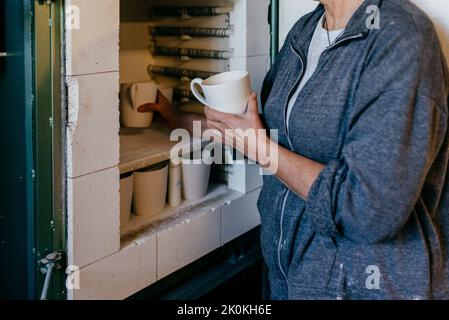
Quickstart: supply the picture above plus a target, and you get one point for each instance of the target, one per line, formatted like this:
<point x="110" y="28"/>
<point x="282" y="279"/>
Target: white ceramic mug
<point x="146" y="92"/>
<point x="226" y="92"/>
<point x="133" y="95"/>
<point x="150" y="190"/>
<point x="174" y="184"/>
<point x="131" y="117"/>
<point x="126" y="198"/>
<point x="195" y="175"/>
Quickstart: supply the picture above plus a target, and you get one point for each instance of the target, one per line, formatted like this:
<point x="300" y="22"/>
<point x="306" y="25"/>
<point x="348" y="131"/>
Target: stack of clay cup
<point x="146" y="192"/>
<point x="188" y="178"/>
<point x="143" y="192"/>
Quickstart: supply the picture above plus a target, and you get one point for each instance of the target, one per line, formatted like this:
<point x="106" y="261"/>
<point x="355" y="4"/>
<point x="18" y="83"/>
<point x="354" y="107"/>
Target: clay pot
<point x="150" y="190"/>
<point x="133" y="95"/>
<point x="126" y="197"/>
<point x="174" y="185"/>
<point x="131" y="117"/>
<point x="195" y="176"/>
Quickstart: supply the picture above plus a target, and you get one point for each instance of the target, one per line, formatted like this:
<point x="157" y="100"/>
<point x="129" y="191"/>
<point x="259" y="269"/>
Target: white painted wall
<point x="289" y="12"/>
<point x="438" y="10"/>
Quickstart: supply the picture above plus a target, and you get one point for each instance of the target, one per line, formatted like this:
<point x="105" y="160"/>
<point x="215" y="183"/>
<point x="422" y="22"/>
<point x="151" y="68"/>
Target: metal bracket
<point x="47" y="265"/>
<point x="41" y="2"/>
<point x="8" y="54"/>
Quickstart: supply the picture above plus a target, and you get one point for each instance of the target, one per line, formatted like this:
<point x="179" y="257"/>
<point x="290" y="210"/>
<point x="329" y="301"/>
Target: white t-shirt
<point x="319" y="43"/>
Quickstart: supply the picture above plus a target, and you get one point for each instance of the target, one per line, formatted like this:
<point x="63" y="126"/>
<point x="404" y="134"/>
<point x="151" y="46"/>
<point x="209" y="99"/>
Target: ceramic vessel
<point x="150" y="190"/>
<point x="226" y="92"/>
<point x="133" y="95"/>
<point x="126" y="197"/>
<point x="174" y="185"/>
<point x="129" y="99"/>
<point x="195" y="176"/>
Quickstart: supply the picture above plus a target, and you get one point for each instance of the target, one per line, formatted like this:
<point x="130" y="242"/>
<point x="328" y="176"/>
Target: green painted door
<point x="49" y="181"/>
<point x="31" y="211"/>
<point x="16" y="211"/>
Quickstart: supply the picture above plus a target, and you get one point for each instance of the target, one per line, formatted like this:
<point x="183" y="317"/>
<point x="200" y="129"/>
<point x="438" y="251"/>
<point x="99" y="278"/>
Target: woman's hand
<point x="244" y="132"/>
<point x="297" y="172"/>
<point x="172" y="117"/>
<point x="165" y="108"/>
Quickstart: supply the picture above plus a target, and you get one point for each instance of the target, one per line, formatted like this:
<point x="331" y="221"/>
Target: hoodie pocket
<point x="312" y="264"/>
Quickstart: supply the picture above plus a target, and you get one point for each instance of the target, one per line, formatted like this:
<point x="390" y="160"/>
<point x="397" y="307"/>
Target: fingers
<point x="215" y="135"/>
<point x="149" y="107"/>
<point x="211" y="124"/>
<point x="252" y="103"/>
<point x="218" y="116"/>
<point x="161" y="98"/>
<point x="221" y="133"/>
<point x="162" y="102"/>
<point x="211" y="114"/>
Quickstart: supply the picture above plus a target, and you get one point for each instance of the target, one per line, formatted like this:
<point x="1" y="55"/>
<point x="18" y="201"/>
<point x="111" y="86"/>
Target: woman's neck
<point x="339" y="12"/>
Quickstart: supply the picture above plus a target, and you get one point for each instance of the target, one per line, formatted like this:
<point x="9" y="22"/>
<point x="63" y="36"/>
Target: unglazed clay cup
<point x="174" y="185"/>
<point x="133" y="95"/>
<point x="150" y="190"/>
<point x="195" y="176"/>
<point x="126" y="197"/>
<point x="130" y="95"/>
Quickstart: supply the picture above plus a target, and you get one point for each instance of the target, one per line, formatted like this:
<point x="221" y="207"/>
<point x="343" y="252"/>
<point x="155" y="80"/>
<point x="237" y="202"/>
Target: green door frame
<point x="49" y="133"/>
<point x="274" y="29"/>
<point x="31" y="91"/>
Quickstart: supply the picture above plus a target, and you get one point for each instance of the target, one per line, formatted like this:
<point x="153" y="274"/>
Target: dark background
<point x="14" y="233"/>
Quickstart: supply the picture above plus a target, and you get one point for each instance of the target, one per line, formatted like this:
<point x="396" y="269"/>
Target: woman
<point x="359" y="206"/>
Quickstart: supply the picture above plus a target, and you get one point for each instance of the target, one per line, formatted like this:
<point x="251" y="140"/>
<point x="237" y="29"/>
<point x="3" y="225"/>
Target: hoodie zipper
<point x="284" y="201"/>
<point x="302" y="59"/>
<point x="289" y="96"/>
<point x="281" y="235"/>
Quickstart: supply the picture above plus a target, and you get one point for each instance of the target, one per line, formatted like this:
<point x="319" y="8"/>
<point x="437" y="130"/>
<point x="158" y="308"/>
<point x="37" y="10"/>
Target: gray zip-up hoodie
<point x="376" y="222"/>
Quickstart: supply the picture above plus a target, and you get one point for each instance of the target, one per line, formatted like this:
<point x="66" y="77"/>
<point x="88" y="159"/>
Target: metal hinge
<point x="46" y="1"/>
<point x="47" y="266"/>
<point x="8" y="54"/>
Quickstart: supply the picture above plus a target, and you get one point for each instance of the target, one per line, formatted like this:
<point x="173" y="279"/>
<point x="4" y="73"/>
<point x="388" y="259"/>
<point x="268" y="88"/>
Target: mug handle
<point x="132" y="95"/>
<point x="193" y="84"/>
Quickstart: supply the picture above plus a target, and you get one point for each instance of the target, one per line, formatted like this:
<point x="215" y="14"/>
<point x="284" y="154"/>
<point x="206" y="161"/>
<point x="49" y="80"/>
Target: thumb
<point x="148" y="107"/>
<point x="252" y="104"/>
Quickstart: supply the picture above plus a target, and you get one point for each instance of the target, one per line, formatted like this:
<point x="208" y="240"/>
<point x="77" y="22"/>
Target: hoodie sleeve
<point x="395" y="132"/>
